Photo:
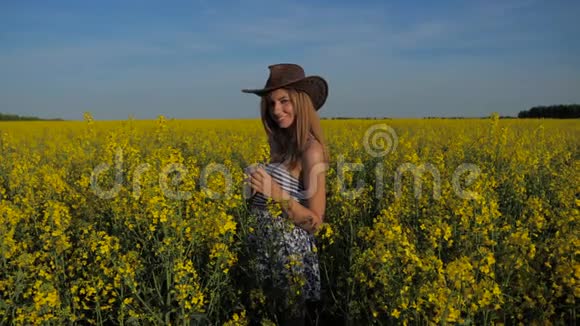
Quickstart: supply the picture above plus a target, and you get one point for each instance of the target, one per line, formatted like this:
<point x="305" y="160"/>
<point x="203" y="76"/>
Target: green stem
<point x="147" y="307"/>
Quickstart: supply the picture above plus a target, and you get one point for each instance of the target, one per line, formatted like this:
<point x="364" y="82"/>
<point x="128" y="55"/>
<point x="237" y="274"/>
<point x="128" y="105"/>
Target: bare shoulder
<point x="314" y="153"/>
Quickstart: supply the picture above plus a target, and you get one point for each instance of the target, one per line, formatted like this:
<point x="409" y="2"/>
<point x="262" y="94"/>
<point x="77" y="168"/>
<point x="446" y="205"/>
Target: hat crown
<point x="284" y="73"/>
<point x="291" y="75"/>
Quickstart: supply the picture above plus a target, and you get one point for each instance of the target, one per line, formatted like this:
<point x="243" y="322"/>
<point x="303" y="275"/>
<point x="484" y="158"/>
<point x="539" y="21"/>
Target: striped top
<point x="288" y="182"/>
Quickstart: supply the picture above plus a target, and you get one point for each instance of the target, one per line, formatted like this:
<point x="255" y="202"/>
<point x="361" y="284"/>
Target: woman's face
<point x="281" y="108"/>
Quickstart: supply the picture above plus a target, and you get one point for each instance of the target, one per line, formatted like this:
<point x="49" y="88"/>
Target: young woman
<point x="295" y="178"/>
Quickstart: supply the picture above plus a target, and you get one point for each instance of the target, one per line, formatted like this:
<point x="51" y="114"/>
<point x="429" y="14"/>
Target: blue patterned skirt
<point x="286" y="256"/>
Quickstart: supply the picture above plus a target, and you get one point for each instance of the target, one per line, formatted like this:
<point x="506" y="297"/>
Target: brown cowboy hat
<point x="289" y="75"/>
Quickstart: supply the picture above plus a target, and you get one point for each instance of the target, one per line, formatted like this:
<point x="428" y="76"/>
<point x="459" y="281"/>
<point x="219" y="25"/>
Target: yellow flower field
<point x="472" y="221"/>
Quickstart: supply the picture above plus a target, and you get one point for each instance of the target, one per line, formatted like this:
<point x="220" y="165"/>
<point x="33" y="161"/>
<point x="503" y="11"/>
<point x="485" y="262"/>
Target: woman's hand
<point x="261" y="181"/>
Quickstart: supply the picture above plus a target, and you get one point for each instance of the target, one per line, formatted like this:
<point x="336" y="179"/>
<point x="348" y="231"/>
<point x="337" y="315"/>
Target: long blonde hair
<point x="290" y="143"/>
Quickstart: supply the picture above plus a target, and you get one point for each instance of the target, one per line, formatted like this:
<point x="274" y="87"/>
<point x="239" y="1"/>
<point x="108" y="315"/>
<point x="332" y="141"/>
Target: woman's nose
<point x="277" y="107"/>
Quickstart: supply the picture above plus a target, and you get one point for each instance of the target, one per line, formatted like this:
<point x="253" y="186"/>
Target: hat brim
<point x="315" y="86"/>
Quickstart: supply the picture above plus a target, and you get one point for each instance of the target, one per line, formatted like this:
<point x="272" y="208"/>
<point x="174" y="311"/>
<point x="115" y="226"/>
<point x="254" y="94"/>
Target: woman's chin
<point x="284" y="124"/>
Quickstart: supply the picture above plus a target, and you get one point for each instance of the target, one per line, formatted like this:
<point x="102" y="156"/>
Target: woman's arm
<point x="314" y="171"/>
<point x="314" y="168"/>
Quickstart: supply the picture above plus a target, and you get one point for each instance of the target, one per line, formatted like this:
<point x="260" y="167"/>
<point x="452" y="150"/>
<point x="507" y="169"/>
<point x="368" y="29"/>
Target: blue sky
<point x="189" y="59"/>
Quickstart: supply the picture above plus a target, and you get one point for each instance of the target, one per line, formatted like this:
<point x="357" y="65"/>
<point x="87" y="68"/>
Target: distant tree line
<point x="15" y="117"/>
<point x="354" y="118"/>
<point x="562" y="111"/>
<point x="455" y="118"/>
